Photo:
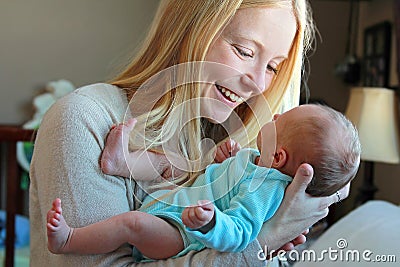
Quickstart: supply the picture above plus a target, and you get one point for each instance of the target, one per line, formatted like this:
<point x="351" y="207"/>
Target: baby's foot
<point x="58" y="230"/>
<point x="113" y="158"/>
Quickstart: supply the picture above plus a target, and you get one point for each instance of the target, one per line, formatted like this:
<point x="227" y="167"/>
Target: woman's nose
<point x="258" y="76"/>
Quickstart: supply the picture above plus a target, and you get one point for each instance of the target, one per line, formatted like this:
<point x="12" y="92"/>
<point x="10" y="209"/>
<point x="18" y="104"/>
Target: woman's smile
<point x="232" y="98"/>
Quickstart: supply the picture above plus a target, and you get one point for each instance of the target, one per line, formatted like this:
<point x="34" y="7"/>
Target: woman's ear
<point x="280" y="158"/>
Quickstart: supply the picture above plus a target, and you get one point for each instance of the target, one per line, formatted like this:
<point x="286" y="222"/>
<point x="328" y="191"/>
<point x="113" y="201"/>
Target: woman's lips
<point x="229" y="95"/>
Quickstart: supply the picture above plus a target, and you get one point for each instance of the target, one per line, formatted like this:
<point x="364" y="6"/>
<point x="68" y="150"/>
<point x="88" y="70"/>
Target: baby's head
<point x="317" y="135"/>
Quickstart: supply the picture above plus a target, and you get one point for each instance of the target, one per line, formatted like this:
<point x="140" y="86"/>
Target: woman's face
<point x="254" y="43"/>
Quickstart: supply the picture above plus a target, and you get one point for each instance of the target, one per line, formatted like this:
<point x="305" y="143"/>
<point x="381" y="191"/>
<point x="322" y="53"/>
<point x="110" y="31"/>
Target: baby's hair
<point x="334" y="151"/>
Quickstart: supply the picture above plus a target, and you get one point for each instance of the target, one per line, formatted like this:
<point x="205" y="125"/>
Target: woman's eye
<point x="244" y="52"/>
<point x="274" y="70"/>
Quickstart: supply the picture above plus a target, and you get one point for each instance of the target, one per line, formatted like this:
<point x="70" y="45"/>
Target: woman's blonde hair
<point x="183" y="31"/>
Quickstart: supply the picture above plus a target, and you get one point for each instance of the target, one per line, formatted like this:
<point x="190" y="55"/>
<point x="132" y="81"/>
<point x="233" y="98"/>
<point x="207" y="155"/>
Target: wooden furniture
<point x="9" y="136"/>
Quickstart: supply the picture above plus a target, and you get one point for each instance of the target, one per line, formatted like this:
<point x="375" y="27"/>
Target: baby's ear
<point x="280" y="158"/>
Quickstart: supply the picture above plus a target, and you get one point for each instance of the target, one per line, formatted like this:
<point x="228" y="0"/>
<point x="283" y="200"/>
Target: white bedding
<point x="372" y="231"/>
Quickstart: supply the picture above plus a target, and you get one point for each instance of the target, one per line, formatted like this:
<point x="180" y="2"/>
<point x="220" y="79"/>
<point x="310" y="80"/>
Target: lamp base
<point x="368" y="189"/>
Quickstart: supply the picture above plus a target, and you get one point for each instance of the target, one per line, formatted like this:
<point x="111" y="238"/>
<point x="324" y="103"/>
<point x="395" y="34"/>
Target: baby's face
<point x="266" y="143"/>
<point x="270" y="136"/>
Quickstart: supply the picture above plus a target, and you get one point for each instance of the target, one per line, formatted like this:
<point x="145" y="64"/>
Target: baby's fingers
<point x="219" y="156"/>
<point x="226" y="148"/>
<point x="198" y="216"/>
<point x="235" y="148"/>
<point x="186" y="218"/>
<point x="202" y="216"/>
<point x="206" y="205"/>
<point x="130" y="123"/>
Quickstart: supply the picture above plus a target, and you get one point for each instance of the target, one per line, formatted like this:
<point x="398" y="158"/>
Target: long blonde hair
<point x="183" y="31"/>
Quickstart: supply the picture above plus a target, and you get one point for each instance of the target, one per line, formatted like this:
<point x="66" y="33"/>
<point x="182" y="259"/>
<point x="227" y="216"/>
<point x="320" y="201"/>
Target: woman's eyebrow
<point x="250" y="39"/>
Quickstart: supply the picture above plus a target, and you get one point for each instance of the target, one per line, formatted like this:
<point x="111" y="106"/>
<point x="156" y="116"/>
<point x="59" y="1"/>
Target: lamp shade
<point x="374" y="112"/>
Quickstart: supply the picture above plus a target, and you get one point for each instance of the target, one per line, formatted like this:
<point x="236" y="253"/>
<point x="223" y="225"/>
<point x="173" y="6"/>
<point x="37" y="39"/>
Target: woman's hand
<point x="297" y="212"/>
<point x="301" y="239"/>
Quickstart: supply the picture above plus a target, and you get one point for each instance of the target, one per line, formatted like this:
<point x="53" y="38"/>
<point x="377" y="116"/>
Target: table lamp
<point x="374" y="112"/>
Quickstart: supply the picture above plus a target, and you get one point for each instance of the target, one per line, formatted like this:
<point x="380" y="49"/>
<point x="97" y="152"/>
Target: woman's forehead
<point x="272" y="28"/>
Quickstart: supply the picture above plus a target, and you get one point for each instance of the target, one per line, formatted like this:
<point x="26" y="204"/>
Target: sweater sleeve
<point x="240" y="224"/>
<point x="65" y="164"/>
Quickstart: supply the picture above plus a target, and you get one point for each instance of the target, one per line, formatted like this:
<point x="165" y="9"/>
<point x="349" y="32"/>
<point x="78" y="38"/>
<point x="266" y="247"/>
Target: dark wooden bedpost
<point x="10" y="135"/>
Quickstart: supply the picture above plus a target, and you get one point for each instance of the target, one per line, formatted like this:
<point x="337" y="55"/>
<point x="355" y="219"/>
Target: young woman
<point x="263" y="40"/>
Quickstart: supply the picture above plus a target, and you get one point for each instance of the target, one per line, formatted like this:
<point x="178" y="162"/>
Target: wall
<point x="45" y="40"/>
<point x="332" y="18"/>
<point x="387" y="176"/>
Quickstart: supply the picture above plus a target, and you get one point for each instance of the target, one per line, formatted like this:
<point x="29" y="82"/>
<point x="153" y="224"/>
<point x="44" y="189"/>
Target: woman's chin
<point x="218" y="119"/>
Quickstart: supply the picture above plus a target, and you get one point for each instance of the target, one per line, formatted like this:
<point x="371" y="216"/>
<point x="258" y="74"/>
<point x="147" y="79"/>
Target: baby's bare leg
<point x="114" y="157"/>
<point x="63" y="239"/>
<point x="152" y="236"/>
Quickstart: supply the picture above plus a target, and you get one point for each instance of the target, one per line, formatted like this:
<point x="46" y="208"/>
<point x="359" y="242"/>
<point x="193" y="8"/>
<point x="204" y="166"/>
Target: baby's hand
<point x="170" y="172"/>
<point x="198" y="216"/>
<point x="226" y="150"/>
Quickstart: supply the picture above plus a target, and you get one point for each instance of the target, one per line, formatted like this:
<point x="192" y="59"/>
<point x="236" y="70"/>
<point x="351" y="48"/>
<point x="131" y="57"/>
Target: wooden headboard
<point x="9" y="136"/>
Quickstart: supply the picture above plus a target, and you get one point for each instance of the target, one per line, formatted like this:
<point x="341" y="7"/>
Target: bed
<point x="367" y="236"/>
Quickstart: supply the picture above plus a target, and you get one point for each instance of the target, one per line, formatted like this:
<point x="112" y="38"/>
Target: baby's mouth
<point x="229" y="95"/>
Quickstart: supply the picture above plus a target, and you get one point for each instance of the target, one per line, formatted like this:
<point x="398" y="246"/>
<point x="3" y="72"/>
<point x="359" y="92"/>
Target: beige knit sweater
<point x="65" y="164"/>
